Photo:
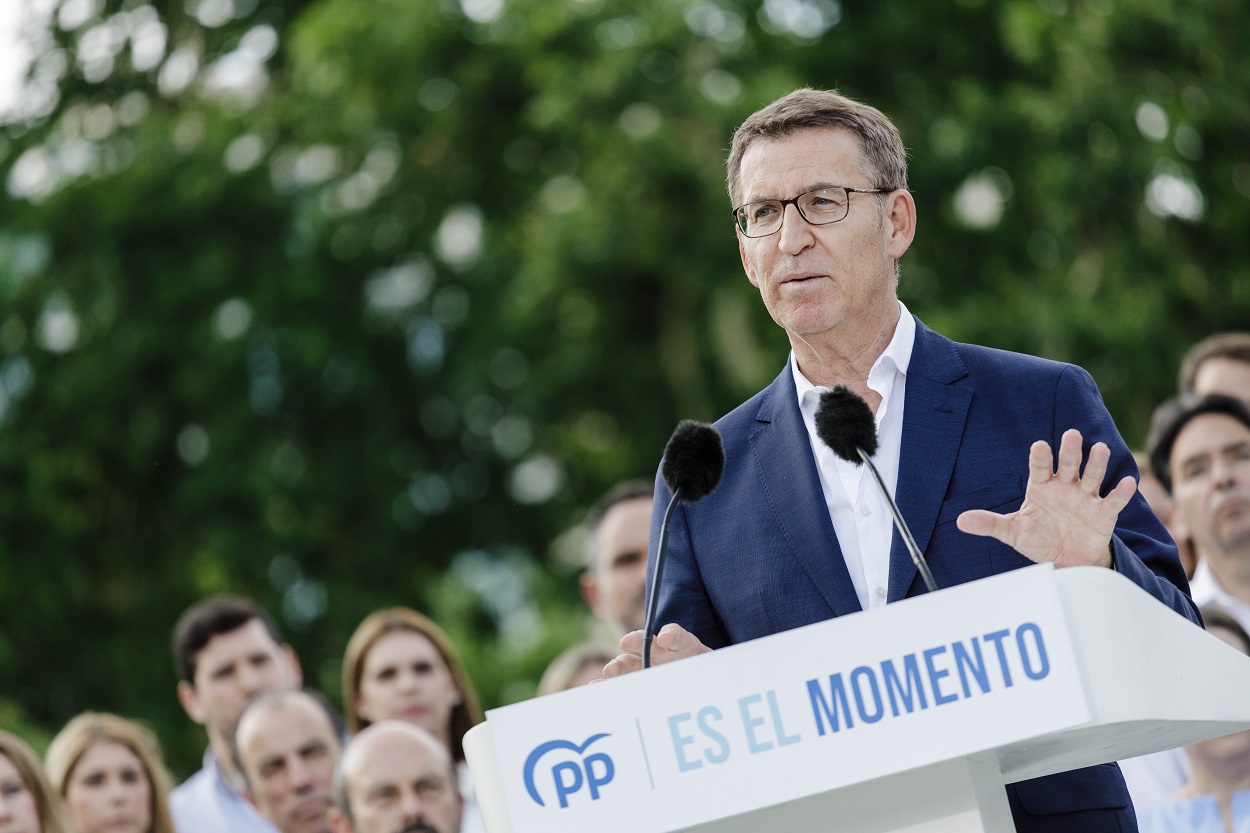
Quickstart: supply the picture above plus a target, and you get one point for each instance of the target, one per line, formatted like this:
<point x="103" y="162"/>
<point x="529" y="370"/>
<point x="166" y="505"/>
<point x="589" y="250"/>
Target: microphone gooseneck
<point x="694" y="461"/>
<point x="844" y="422"/>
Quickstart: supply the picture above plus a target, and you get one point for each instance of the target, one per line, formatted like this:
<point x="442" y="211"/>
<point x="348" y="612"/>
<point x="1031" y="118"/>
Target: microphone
<point x="694" y="461"/>
<point x="844" y="422"/>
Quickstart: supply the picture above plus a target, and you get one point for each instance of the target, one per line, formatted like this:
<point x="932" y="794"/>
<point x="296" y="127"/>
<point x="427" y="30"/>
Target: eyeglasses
<point x="820" y="207"/>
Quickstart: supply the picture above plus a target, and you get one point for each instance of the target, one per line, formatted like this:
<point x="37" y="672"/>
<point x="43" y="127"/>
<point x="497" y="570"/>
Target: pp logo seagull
<point x="573" y="772"/>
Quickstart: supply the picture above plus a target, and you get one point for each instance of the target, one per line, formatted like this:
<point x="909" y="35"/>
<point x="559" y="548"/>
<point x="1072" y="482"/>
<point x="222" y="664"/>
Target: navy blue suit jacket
<point x="759" y="555"/>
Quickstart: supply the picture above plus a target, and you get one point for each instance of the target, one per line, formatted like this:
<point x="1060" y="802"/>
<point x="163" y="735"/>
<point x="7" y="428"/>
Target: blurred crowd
<point x="281" y="757"/>
<point x="1195" y="473"/>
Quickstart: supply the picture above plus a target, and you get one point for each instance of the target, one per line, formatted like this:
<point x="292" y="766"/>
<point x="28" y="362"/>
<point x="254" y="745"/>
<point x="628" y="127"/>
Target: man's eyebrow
<point x="818" y="186"/>
<point x="316" y="745"/>
<point x="1196" y="457"/>
<point x="1232" y="447"/>
<point x="268" y="760"/>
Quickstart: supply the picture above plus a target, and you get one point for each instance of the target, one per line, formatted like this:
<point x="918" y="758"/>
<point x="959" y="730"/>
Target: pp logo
<point x="569" y="776"/>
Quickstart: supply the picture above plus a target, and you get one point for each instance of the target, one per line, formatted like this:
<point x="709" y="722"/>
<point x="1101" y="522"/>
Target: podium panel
<point x="908" y="717"/>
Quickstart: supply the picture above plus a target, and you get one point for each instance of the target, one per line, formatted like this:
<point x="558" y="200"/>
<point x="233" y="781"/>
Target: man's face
<point x="232" y="669"/>
<point x="615" y="587"/>
<point x="288" y="753"/>
<point x="828" y="279"/>
<point x="400" y="785"/>
<point x="1210" y="464"/>
<point x="1225" y="376"/>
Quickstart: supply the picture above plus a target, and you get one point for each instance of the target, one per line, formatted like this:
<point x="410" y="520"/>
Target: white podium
<point x="910" y="717"/>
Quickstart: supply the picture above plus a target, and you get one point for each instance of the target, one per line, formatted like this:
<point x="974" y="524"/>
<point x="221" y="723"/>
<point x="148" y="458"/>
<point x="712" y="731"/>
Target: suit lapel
<point x="933" y="424"/>
<point x="787" y="472"/>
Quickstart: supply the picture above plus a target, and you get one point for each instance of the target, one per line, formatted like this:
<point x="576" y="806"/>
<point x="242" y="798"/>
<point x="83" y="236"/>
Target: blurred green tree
<point x="342" y="304"/>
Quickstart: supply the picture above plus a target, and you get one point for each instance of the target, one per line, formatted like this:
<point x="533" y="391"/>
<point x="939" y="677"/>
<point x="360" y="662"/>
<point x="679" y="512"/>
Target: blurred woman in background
<point x="109" y="772"/>
<point x="27" y="802"/>
<point x="399" y="665"/>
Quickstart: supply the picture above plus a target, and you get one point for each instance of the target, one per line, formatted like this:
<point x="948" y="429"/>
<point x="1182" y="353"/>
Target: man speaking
<point x="983" y="449"/>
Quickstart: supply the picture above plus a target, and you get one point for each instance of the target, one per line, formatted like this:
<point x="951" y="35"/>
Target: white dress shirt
<point x="1205" y="589"/>
<point x="205" y="803"/>
<point x="860" y="515"/>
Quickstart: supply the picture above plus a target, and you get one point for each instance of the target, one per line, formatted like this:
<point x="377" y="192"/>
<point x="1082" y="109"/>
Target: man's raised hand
<point x="1063" y="519"/>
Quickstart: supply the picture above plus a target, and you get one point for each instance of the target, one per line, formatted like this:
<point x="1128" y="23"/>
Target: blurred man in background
<point x="1217" y="364"/>
<point x="615" y="581"/>
<point x="286" y="748"/>
<point x="1202" y="455"/>
<point x="395" y="777"/>
<point x="227" y="651"/>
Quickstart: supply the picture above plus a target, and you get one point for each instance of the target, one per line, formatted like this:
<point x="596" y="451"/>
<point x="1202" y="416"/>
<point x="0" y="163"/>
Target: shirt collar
<point x="895" y="358"/>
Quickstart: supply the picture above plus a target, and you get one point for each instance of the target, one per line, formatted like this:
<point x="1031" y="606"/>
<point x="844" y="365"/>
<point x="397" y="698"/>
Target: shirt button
<point x="880" y="592"/>
<point x="865" y="511"/>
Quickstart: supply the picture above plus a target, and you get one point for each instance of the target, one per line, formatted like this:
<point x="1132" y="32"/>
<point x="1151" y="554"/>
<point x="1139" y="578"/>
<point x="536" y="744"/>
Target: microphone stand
<point x="653" y="597"/>
<point x="901" y="525"/>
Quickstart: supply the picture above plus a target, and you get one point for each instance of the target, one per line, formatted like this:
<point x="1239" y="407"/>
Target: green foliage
<point x="377" y="327"/>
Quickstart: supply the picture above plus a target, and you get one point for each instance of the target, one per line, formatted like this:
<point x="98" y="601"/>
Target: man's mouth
<point x="800" y="278"/>
<point x="418" y="827"/>
<point x="1233" y="504"/>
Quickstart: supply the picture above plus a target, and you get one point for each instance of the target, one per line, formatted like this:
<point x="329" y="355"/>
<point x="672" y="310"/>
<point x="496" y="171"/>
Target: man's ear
<point x="296" y="672"/>
<point x="191" y="702"/>
<point x="590" y="590"/>
<point x="900" y="215"/>
<point x="746" y="264"/>
<point x="338" y="821"/>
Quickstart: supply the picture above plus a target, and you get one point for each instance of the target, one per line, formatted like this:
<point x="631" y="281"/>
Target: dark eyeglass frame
<point x="739" y="213"/>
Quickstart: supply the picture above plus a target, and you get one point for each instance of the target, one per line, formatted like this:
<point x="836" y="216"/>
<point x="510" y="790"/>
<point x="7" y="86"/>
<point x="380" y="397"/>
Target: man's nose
<point x="301" y="775"/>
<point x="251" y="681"/>
<point x="410" y="807"/>
<point x="796" y="233"/>
<point x="1223" y="473"/>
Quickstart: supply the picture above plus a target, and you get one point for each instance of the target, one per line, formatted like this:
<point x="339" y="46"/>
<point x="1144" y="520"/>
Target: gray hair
<point x="884" y="157"/>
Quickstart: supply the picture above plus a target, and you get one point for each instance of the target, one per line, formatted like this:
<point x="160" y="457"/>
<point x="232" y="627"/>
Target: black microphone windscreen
<point x="694" y="460"/>
<point x="844" y="422"/>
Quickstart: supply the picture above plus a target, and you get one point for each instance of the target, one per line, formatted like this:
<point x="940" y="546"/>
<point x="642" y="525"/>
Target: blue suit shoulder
<point x="939" y="358"/>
